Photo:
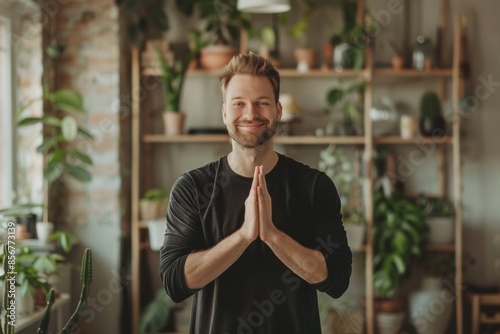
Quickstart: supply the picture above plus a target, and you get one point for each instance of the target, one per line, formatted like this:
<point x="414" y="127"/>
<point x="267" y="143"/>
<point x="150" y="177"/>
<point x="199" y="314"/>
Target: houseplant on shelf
<point x="350" y="100"/>
<point x="439" y="216"/>
<point x="153" y="204"/>
<point x="399" y="238"/>
<point x="222" y="23"/>
<point x="432" y="122"/>
<point x="173" y="74"/>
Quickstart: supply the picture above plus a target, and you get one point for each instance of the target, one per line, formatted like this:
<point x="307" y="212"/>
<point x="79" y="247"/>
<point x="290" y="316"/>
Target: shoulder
<point x="200" y="176"/>
<point x="301" y="171"/>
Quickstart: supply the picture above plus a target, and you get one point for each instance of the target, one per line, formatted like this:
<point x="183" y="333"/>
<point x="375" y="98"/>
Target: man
<point x="254" y="234"/>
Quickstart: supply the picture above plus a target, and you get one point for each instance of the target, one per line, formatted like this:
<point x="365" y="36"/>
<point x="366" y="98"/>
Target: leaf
<point x="85" y="133"/>
<point x="55" y="157"/>
<point x="51" y="120"/>
<point x="29" y="121"/>
<point x="78" y="173"/>
<point x="47" y="144"/>
<point x="53" y="171"/>
<point x="69" y="128"/>
<point x="82" y="156"/>
<point x="334" y="96"/>
<point x="67" y="98"/>
<point x="399" y="263"/>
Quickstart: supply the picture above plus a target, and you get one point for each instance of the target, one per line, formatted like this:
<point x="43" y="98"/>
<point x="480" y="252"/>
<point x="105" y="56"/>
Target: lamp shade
<point x="263" y="6"/>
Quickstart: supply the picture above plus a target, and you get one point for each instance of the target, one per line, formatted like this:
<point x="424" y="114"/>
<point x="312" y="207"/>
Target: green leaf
<point x="399" y="263"/>
<point x="67" y="99"/>
<point x="82" y="156"/>
<point x="69" y="128"/>
<point x="55" y="157"/>
<point x="29" y="121"/>
<point x="47" y="144"/>
<point x="53" y="171"/>
<point x="78" y="173"/>
<point x="334" y="96"/>
<point x="51" y="120"/>
<point x="85" y="133"/>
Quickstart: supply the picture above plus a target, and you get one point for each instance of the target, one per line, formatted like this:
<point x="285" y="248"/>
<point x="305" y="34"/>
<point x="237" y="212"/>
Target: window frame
<point x="7" y="128"/>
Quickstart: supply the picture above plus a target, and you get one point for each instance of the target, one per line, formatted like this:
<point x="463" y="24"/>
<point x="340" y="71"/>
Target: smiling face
<point x="250" y="111"/>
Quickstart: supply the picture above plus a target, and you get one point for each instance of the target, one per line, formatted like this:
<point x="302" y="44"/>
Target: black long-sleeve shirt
<point x="258" y="293"/>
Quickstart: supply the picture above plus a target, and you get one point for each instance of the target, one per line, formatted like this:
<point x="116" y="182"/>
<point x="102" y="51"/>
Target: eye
<point x="238" y="104"/>
<point x="264" y="103"/>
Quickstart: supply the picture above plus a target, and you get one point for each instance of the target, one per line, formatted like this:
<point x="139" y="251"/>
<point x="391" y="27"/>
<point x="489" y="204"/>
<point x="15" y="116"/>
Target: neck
<point x="244" y="160"/>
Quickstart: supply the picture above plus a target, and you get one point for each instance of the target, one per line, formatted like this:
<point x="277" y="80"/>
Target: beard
<point x="256" y="138"/>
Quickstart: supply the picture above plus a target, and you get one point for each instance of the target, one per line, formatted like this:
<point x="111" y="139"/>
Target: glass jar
<point x="422" y="52"/>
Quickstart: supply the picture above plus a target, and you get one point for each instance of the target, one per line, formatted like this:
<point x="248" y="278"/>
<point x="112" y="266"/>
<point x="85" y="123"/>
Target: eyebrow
<point x="263" y="97"/>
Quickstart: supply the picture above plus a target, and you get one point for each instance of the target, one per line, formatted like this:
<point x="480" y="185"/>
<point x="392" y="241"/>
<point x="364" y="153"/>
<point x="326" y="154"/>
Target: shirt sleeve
<point x="331" y="237"/>
<point x="183" y="235"/>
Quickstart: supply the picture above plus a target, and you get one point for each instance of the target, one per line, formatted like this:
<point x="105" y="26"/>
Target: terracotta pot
<point x="397" y="63"/>
<point x="215" y="57"/>
<point x="305" y="58"/>
<point x="389" y="305"/>
<point x="174" y="122"/>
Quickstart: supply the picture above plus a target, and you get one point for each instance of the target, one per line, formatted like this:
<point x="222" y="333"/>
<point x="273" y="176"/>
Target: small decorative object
<point x="327" y="56"/>
<point x="289" y="106"/>
<point x="432" y="122"/>
<point x="385" y="118"/>
<point x="304" y="54"/>
<point x="421" y="51"/>
<point x="398" y="59"/>
<point x="306" y="59"/>
<point x="408" y="127"/>
<point x="427" y="64"/>
<point x="354" y="224"/>
<point x="44" y="230"/>
<point x="174" y="123"/>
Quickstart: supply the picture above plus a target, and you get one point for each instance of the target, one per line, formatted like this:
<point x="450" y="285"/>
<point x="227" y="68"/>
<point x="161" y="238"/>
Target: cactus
<point x="430" y="106"/>
<point x="44" y="323"/>
<point x="8" y="294"/>
<point x="86" y="279"/>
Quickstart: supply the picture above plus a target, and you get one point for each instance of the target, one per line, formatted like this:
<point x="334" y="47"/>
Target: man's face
<point x="250" y="111"/>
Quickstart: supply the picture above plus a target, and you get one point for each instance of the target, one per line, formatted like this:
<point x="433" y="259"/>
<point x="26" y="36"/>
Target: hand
<point x="250" y="227"/>
<point x="266" y="226"/>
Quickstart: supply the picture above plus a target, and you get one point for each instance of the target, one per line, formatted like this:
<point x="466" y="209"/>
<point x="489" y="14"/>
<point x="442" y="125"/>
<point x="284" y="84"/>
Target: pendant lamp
<point x="263" y="6"/>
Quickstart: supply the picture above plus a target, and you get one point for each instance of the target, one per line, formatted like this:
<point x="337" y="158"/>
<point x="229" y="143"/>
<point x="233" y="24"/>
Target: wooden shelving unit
<point x="143" y="141"/>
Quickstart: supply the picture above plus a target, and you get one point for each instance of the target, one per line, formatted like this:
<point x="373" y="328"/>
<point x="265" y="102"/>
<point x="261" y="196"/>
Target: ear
<point x="224" y="112"/>
<point x="279" y="111"/>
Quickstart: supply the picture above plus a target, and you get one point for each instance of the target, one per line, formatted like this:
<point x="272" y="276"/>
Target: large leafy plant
<point x="61" y="135"/>
<point x="399" y="239"/>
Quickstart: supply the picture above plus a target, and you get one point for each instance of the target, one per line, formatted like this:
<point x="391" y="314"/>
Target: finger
<point x="255" y="181"/>
<point x="262" y="180"/>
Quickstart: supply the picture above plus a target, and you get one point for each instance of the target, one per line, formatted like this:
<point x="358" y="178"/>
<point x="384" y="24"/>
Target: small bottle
<point x="421" y="52"/>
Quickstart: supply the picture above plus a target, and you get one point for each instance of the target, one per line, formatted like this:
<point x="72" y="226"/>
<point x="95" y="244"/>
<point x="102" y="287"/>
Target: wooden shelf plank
<point x="430" y="247"/>
<point x="411" y="73"/>
<point x="418" y="140"/>
<point x="314" y="73"/>
<point x="291" y="140"/>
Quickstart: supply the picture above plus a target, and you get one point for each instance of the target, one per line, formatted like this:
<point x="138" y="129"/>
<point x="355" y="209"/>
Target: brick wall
<point x="90" y="65"/>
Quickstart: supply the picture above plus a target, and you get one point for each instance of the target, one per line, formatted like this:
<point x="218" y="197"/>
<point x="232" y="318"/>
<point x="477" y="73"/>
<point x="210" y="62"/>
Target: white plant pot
<point x="156" y="230"/>
<point x="25" y="305"/>
<point x="390" y="323"/>
<point x="441" y="230"/>
<point x="431" y="307"/>
<point x="44" y="230"/>
<point x="355" y="236"/>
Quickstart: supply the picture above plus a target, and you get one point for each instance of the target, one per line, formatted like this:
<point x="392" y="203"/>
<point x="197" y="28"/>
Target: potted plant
<point x="350" y="100"/>
<point x="222" y="24"/>
<point x="304" y="54"/>
<point x="173" y="74"/>
<point x="355" y="228"/>
<point x="153" y="204"/>
<point x="399" y="237"/>
<point x="439" y="216"/>
<point x="349" y="44"/>
<point x="432" y="122"/>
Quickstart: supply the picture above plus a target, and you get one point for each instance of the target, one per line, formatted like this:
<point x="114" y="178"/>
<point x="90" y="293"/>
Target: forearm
<point x="204" y="266"/>
<point x="308" y="264"/>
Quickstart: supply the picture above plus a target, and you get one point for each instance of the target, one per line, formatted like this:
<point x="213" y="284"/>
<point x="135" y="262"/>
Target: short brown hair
<point x="254" y="65"/>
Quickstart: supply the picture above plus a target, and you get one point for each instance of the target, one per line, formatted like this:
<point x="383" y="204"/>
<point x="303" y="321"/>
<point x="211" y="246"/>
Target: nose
<point x="250" y="111"/>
